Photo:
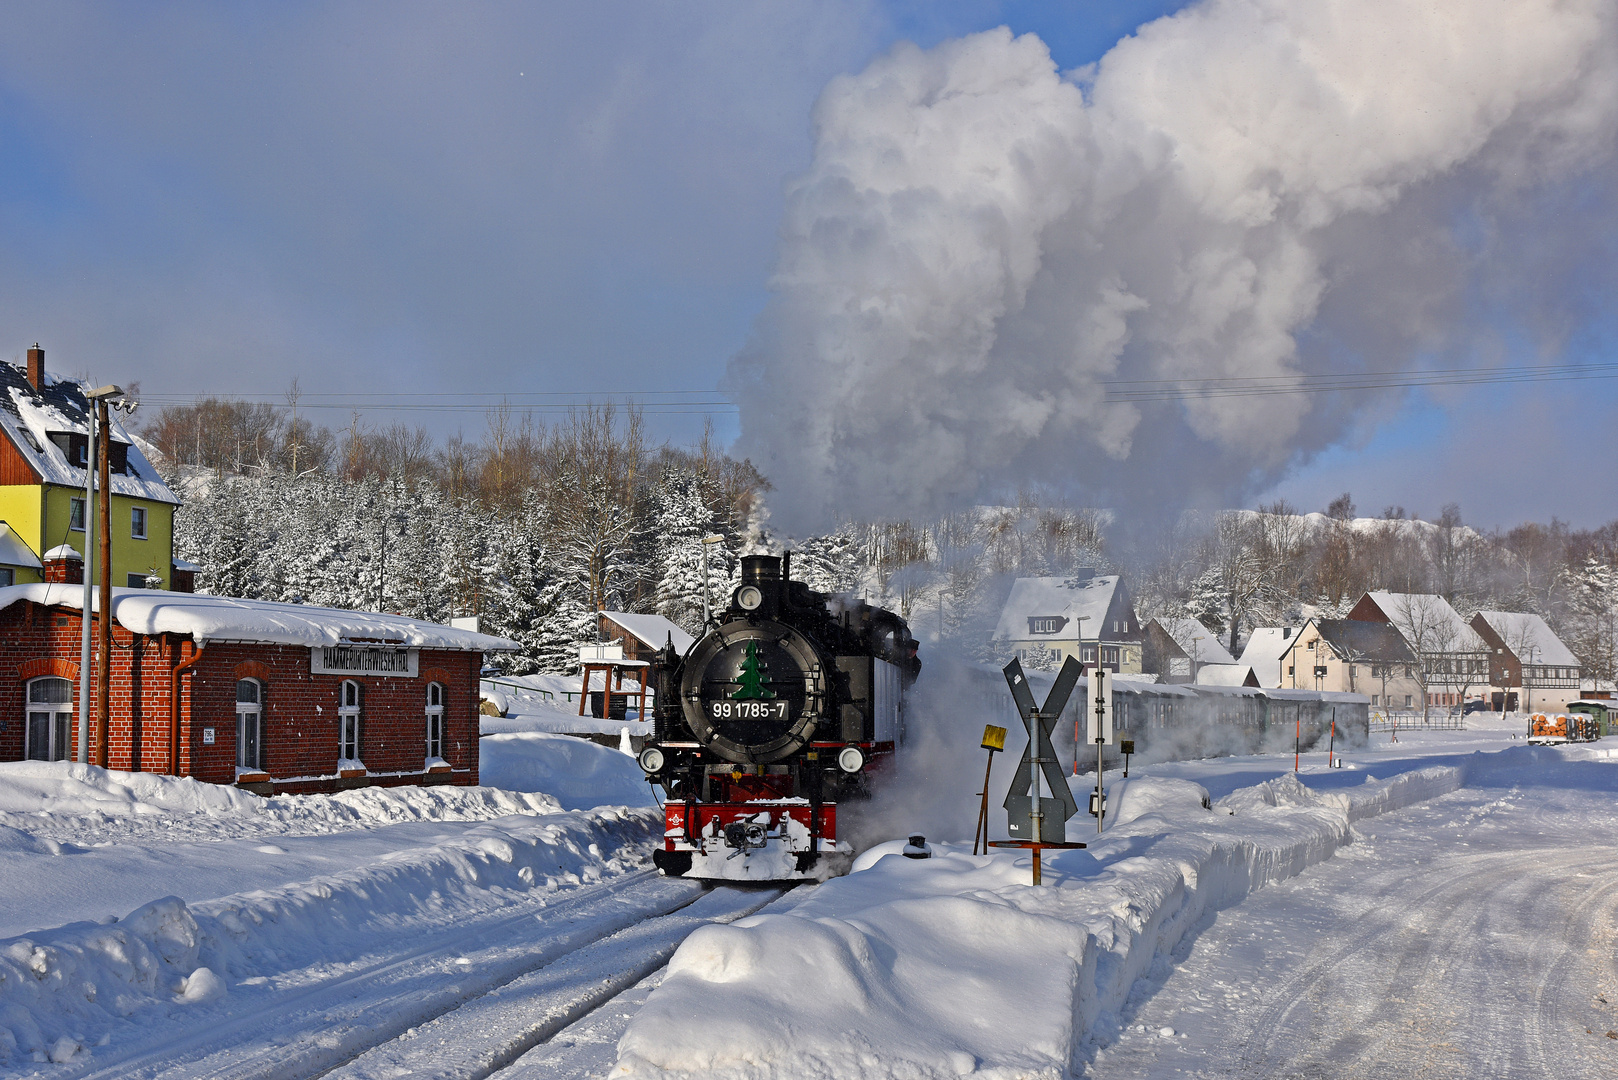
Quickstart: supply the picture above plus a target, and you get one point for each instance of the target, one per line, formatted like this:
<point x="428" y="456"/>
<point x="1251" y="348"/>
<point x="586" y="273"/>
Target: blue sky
<point x="425" y="199"/>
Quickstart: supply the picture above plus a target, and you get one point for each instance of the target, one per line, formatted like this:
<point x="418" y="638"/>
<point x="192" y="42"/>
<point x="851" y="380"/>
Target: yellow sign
<point x="994" y="738"/>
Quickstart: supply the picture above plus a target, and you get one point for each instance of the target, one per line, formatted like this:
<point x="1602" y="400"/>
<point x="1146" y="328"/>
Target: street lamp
<point x="1079" y="717"/>
<point x="707" y="616"/>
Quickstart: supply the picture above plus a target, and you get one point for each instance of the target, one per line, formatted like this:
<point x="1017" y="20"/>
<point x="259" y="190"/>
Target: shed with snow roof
<point x="642" y="635"/>
<point x="271" y="697"/>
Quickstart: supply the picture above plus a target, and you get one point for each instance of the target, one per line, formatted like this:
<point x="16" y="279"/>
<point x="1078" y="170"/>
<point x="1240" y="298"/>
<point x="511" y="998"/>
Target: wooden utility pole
<point x="104" y="650"/>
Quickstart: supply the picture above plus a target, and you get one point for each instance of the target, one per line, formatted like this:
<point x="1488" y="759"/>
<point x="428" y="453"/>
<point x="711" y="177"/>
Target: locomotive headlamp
<point x="748" y="597"/>
<point x="651" y="760"/>
<point x="851" y="760"/>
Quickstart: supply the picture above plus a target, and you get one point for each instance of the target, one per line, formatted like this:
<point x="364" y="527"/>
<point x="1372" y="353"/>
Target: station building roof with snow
<point x="273" y="697"/>
<point x="1074" y="616"/>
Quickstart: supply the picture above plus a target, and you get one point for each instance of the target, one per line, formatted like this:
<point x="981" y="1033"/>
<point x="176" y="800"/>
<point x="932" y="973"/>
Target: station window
<point x="8" y="576"/>
<point x="137" y="581"/>
<point x="137" y="522"/>
<point x="50" y="719"/>
<point x="435" y="721"/>
<point x="75" y="515"/>
<point x="348" y="721"/>
<point x="249" y="724"/>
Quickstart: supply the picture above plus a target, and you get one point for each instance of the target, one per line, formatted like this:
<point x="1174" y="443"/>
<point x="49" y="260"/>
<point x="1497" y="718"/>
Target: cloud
<point x="1247" y="189"/>
<point x="548" y="197"/>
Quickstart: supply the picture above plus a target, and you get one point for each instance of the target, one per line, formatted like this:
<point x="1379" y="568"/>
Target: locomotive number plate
<point x="747" y="710"/>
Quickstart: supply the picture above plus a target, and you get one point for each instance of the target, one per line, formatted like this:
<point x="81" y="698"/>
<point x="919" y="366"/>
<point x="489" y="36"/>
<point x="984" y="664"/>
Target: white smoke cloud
<point x="1248" y="188"/>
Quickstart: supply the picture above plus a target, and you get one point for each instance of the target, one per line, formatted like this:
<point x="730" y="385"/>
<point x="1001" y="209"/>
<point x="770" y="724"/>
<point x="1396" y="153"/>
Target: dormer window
<point x="75" y="447"/>
<point x="1046" y="624"/>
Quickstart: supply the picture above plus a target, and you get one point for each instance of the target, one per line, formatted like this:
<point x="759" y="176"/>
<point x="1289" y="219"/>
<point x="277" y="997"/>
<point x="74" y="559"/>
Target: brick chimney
<point x="36" y="366"/>
<point x="64" y="566"/>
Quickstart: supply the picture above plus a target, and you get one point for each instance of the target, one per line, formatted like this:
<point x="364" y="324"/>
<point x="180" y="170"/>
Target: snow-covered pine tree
<point x="830" y="563"/>
<point x="683" y="520"/>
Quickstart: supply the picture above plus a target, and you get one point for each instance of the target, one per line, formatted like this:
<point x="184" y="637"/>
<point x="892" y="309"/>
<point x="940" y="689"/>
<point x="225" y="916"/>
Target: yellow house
<point x="44" y="440"/>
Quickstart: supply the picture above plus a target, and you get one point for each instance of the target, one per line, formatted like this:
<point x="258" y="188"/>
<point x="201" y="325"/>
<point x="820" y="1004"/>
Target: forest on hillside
<point x="532" y="527"/>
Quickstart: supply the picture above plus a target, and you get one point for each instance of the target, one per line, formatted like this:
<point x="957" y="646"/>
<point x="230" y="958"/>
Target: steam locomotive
<point x="782" y="710"/>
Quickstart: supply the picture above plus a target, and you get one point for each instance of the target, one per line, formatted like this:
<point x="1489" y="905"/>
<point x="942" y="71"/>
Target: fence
<point x="1386" y="722"/>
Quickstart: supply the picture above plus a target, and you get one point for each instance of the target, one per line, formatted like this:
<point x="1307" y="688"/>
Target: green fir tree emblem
<point x="751" y="678"/>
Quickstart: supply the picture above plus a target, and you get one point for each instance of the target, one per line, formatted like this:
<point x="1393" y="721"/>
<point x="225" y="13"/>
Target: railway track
<point x="461" y="1003"/>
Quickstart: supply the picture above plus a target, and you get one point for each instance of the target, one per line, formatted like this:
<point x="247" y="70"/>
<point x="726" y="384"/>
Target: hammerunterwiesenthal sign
<point x="362" y="660"/>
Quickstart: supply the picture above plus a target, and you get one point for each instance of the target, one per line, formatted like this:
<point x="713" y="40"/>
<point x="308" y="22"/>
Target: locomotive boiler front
<point x="752" y="691"/>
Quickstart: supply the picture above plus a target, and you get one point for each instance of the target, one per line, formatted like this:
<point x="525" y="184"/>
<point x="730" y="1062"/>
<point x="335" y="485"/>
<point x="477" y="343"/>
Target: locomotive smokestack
<point x="761" y="570"/>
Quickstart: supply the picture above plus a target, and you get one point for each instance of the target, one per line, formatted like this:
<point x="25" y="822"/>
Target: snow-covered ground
<point x="1451" y="896"/>
<point x="541" y="703"/>
<point x="954" y="966"/>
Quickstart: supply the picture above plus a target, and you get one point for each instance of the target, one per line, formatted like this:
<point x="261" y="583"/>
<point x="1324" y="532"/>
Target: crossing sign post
<point x="1032" y="816"/>
<point x="1038" y="821"/>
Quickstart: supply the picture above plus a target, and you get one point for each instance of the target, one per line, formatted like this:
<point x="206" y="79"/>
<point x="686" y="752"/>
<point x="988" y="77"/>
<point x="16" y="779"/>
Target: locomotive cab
<point x="779" y="712"/>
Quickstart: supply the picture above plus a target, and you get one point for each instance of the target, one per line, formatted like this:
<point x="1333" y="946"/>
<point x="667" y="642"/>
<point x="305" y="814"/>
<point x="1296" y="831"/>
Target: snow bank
<point x="67" y="989"/>
<point x="953" y="965"/>
<point x="576" y="772"/>
<point x="83" y="801"/>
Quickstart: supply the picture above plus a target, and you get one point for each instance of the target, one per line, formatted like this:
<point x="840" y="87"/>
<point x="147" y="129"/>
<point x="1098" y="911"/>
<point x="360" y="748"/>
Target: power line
<point x="691" y="402"/>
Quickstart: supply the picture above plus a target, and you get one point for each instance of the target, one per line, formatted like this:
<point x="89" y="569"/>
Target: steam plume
<point x="1248" y="188"/>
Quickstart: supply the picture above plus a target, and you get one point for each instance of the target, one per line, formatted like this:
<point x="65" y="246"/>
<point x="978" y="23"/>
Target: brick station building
<point x="271" y="697"/>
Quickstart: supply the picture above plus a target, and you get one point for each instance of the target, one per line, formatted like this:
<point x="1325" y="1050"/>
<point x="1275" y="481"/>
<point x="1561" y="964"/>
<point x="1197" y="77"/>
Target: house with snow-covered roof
<point x="1454" y="659"/>
<point x="1084" y="614"/>
<point x="1529" y="666"/>
<point x="44" y="441"/>
<point x="1176" y="648"/>
<point x="1354" y="657"/>
<point x="1264" y="650"/>
<point x="268" y="696"/>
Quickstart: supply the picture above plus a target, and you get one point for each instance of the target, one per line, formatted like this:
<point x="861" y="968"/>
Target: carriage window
<point x="348" y="721"/>
<point x="249" y="725"/>
<point x="49" y="719"/>
<point x="435" y="720"/>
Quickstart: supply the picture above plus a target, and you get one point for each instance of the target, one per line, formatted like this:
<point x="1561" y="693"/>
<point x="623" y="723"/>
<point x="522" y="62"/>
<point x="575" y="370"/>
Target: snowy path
<point x="310" y="1021"/>
<point x="1476" y="935"/>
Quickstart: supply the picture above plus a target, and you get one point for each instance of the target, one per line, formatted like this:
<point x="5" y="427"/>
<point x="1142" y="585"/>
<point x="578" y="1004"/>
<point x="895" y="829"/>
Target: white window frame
<point x="350" y="703"/>
<point x="435" y="721"/>
<point x="250" y="717"/>
<point x="137" y="513"/>
<point x="57" y="717"/>
<point x="75" y="508"/>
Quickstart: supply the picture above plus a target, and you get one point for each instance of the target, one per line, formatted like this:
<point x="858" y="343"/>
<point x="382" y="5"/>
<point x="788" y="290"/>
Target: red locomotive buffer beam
<point x="764" y="840"/>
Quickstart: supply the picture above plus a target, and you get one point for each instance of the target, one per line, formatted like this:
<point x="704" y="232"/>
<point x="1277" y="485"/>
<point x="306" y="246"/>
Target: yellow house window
<point x="137" y="522"/>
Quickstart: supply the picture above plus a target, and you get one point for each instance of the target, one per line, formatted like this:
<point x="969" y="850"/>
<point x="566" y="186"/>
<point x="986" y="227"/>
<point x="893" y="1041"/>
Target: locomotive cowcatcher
<point x="783" y="709"/>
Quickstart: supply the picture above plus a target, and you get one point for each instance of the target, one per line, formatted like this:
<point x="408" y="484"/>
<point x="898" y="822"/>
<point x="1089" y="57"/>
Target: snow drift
<point x="994" y="274"/>
<point x="953" y="966"/>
